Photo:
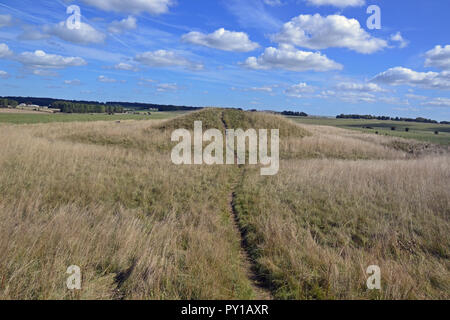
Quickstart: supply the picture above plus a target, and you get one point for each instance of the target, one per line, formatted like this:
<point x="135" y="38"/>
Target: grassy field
<point x="105" y="196"/>
<point x="29" y="118"/>
<point x="417" y="131"/>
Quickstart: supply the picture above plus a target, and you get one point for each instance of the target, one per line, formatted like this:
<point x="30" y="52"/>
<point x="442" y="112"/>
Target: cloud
<point x="83" y="35"/>
<point x="359" y="87"/>
<point x="394" y="101"/>
<point x="4" y="51"/>
<point x="273" y="3"/>
<point x="334" y="31"/>
<point x="164" y="87"/>
<point x="146" y="82"/>
<point x="31" y="33"/>
<point x="5" y="20"/>
<point x="403" y="76"/>
<point x="44" y="73"/>
<point x="298" y="90"/>
<point x="4" y="74"/>
<point x="74" y="82"/>
<point x="415" y="96"/>
<point x="337" y="3"/>
<point x="288" y="58"/>
<point x="438" y="57"/>
<point x="163" y="58"/>
<point x="266" y="89"/>
<point x="438" y="102"/>
<point x="125" y="67"/>
<point x="41" y="60"/>
<point x="105" y="79"/>
<point x="397" y="37"/>
<point x="223" y="40"/>
<point x="350" y="96"/>
<point x="154" y="7"/>
<point x="121" y="26"/>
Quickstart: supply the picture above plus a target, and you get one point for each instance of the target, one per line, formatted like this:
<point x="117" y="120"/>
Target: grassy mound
<point x="210" y="118"/>
<point x="256" y="120"/>
<point x="236" y="119"/>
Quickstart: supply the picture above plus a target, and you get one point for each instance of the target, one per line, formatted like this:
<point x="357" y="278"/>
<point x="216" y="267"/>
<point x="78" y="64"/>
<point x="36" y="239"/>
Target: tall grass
<point x="319" y="224"/>
<point x="108" y="208"/>
<point x="106" y="197"/>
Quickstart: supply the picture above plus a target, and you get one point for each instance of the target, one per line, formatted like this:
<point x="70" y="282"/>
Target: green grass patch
<point x="30" y="118"/>
<point x="417" y="131"/>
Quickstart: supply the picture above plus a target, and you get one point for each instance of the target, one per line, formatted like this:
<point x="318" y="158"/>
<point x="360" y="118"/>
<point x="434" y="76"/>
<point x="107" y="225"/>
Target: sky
<point x="323" y="57"/>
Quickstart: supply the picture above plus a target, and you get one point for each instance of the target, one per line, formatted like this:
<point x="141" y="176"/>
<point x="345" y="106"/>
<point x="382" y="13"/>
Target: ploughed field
<point x="106" y="197"/>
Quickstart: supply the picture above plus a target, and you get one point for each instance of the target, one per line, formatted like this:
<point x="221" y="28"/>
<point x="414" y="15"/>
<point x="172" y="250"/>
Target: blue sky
<point x="317" y="56"/>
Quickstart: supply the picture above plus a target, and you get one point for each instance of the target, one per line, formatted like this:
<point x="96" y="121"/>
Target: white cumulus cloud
<point x="125" y="67"/>
<point x="298" y="90"/>
<point x="41" y="60"/>
<point x="359" y="87"/>
<point x="438" y="57"/>
<point x="286" y="57"/>
<point x="334" y="31"/>
<point x="403" y="76"/>
<point x="4" y="51"/>
<point x="223" y="40"/>
<point x="83" y="35"/>
<point x="121" y="26"/>
<point x="397" y="37"/>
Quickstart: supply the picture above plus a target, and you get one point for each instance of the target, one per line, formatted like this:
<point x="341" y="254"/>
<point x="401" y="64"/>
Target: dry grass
<point x="105" y="196"/>
<point x="108" y="208"/>
<point x="319" y="224"/>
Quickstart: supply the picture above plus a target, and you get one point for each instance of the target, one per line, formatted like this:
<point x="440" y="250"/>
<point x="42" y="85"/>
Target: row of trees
<point x="293" y="113"/>
<point x="126" y="105"/>
<point x="73" y="107"/>
<point x="5" y="103"/>
<point x="369" y="117"/>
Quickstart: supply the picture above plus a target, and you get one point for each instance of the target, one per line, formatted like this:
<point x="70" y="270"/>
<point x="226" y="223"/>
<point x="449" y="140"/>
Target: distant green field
<point x="24" y="118"/>
<point x="417" y="131"/>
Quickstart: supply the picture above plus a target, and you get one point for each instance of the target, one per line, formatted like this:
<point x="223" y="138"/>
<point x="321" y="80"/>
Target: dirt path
<point x="261" y="290"/>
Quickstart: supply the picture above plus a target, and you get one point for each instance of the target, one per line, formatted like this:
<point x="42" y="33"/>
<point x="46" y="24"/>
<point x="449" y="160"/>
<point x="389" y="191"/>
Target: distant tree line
<point x="293" y="113"/>
<point x="46" y="102"/>
<point x="74" y="107"/>
<point x="5" y="103"/>
<point x="146" y="106"/>
<point x="369" y="117"/>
